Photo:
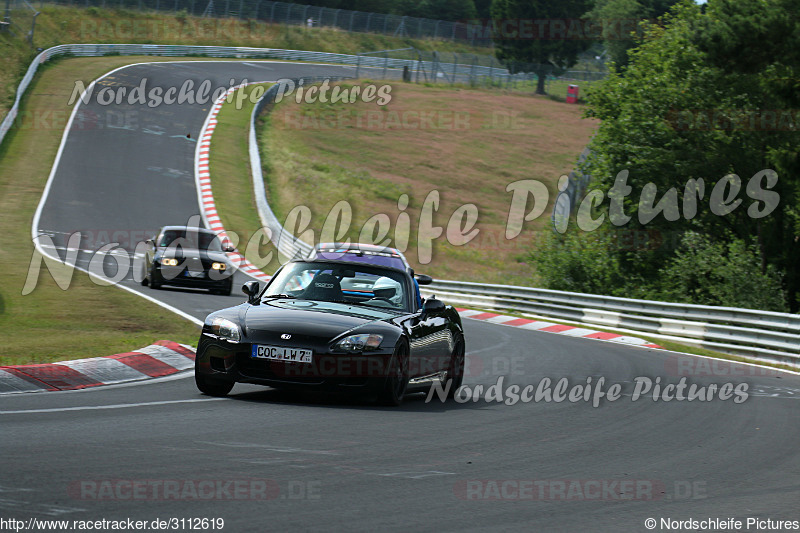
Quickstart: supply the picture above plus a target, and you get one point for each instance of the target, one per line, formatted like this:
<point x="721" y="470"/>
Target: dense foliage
<point x="704" y="120"/>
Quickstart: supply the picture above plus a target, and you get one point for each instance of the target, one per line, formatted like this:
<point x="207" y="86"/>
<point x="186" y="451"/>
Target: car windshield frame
<point x="357" y="273"/>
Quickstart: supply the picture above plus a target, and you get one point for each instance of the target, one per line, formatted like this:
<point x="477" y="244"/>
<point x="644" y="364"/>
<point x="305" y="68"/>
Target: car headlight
<point x="219" y="266"/>
<point x="226" y="329"/>
<point x="169" y="261"/>
<point x="360" y="343"/>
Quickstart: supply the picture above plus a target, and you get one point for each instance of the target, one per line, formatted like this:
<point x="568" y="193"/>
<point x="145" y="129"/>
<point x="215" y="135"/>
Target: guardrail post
<point x="385" y="63"/>
<point x="455" y="67"/>
<point x="358" y="66"/>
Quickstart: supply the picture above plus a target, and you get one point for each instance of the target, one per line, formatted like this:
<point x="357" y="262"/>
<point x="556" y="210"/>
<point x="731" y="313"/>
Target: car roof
<point x="360" y="247"/>
<point x="354" y="264"/>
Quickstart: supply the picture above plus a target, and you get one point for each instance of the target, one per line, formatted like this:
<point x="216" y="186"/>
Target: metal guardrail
<point x="761" y="335"/>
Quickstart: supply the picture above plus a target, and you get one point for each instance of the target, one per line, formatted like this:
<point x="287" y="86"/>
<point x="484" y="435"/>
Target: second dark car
<point x="188" y="257"/>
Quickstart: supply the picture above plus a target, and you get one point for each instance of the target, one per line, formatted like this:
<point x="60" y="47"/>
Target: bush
<point x="721" y="273"/>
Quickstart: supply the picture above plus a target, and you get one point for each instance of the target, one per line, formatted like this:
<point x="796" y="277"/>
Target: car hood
<point x="309" y="321"/>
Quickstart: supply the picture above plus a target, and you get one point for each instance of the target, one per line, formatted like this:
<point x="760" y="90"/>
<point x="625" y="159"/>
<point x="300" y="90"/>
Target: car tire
<point x="153" y="283"/>
<point x="226" y="291"/>
<point x="455" y="369"/>
<point x="145" y="280"/>
<point x="211" y="386"/>
<point x="397" y="381"/>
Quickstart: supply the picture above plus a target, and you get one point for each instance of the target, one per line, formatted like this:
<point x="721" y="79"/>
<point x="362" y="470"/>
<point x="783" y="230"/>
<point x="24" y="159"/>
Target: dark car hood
<point x="307" y="320"/>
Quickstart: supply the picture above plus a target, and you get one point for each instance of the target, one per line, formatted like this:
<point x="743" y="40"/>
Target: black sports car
<point x="188" y="257"/>
<point x="336" y="326"/>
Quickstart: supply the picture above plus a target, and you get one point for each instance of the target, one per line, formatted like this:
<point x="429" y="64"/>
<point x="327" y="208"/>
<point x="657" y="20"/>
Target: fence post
<point x="369" y="17"/>
<point x="241" y="8"/>
<point x="336" y="18"/>
<point x="436" y="29"/>
<point x="472" y="80"/>
<point x="353" y="14"/>
<point x="272" y="12"/>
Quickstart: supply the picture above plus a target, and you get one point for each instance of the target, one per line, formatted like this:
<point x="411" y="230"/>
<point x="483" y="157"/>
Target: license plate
<point x="282" y="353"/>
<point x="190" y="274"/>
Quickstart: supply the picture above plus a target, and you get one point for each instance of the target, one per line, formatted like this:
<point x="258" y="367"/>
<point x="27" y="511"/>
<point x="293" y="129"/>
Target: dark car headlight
<point x="362" y="342"/>
<point x="226" y="329"/>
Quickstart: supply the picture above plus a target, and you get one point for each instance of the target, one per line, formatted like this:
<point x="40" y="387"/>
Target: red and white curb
<point x="551" y="327"/>
<point x="206" y="196"/>
<point x="162" y="358"/>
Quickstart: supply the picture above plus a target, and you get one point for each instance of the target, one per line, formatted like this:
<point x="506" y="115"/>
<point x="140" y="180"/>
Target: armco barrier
<point x="761" y="335"/>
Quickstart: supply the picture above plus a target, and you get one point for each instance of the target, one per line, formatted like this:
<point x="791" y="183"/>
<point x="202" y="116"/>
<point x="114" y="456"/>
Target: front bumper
<point x="180" y="277"/>
<point x="328" y="371"/>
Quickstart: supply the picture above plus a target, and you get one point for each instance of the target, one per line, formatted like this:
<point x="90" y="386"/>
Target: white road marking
<point x="113" y="406"/>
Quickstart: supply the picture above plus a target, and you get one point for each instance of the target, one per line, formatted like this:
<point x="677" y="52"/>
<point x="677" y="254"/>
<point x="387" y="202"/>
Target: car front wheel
<point x="211" y="386"/>
<point x="397" y="380"/>
<point x="455" y="370"/>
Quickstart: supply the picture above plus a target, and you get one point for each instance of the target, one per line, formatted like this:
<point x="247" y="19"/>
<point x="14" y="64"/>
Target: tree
<point x="536" y="35"/>
<point x="692" y="107"/>
<point x="620" y="20"/>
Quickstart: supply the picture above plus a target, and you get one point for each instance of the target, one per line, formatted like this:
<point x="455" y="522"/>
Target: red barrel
<point x="572" y="94"/>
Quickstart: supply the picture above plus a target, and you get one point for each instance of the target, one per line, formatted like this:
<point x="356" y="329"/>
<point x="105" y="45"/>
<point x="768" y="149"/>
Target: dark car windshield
<point x="190" y="239"/>
<point x="335" y="282"/>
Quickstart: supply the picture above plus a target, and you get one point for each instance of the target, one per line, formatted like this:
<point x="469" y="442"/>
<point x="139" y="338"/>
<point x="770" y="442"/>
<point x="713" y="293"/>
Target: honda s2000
<point x="335" y="326"/>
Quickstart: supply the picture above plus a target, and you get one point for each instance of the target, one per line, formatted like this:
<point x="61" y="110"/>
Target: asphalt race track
<point x="264" y="459"/>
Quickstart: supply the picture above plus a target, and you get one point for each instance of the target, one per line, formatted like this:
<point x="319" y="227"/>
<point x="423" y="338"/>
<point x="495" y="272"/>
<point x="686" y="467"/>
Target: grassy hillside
<point x="61" y="24"/>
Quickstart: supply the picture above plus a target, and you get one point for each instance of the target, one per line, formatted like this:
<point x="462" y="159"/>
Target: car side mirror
<point x="432" y="306"/>
<point x="151" y="241"/>
<point x="228" y="248"/>
<point x="251" y="289"/>
<point x="424" y="279"/>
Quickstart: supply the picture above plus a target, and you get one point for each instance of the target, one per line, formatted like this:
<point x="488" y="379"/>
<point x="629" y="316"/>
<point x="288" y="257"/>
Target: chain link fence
<point x="476" y="70"/>
<point x="19" y="19"/>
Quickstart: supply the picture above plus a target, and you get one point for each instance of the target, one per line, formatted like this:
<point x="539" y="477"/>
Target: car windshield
<point x="190" y="239"/>
<point x="333" y="282"/>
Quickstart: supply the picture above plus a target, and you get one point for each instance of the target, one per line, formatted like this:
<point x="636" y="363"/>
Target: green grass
<point x="86" y="320"/>
<point x="476" y="143"/>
